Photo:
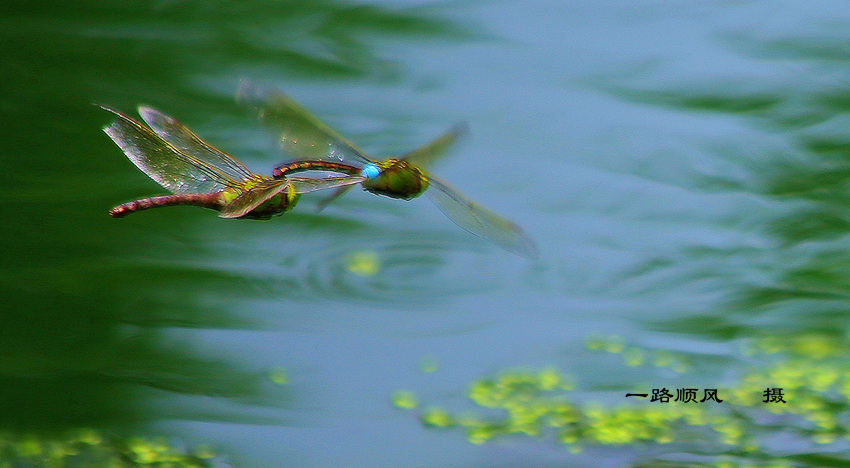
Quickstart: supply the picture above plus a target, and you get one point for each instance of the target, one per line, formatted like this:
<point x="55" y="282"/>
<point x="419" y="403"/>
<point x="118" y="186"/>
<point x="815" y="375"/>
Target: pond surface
<point x="682" y="168"/>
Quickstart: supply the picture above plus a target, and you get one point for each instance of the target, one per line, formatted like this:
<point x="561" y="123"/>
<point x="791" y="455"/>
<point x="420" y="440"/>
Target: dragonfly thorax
<point x="276" y="205"/>
<point x="397" y="179"/>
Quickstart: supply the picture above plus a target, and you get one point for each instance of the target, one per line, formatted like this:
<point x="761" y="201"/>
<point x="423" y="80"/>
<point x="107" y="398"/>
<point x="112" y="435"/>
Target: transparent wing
<point x="162" y="162"/>
<point x="302" y="136"/>
<point x="481" y="221"/>
<point x="250" y="199"/>
<point x="324" y="202"/>
<point x="309" y="184"/>
<point x="428" y="154"/>
<point x="180" y="137"/>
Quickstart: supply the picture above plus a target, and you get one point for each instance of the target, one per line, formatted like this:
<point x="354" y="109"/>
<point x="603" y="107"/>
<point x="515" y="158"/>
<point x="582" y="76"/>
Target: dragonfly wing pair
<point x="176" y="158"/>
<point x="175" y="170"/>
<point x="188" y="143"/>
<point x="427" y="155"/>
<point x="464" y="212"/>
<point x="481" y="221"/>
<point x="303" y="137"/>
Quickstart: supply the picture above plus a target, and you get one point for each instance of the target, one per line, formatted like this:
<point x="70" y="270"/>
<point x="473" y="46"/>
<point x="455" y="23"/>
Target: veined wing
<point x="180" y="137"/>
<point x="481" y="221"/>
<point x="301" y="135"/>
<point x="428" y="154"/>
<point x="324" y="202"/>
<point x="162" y="162"/>
<point x="310" y="184"/>
<point x="253" y="197"/>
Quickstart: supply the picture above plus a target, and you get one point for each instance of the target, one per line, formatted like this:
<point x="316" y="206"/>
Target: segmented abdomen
<point x="301" y="166"/>
<point x="206" y="200"/>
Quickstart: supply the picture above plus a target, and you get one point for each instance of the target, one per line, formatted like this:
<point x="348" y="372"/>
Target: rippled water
<point x="682" y="167"/>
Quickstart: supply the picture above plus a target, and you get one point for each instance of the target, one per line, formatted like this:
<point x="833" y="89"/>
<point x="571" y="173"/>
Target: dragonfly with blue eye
<point x="316" y="146"/>
<point x="199" y="174"/>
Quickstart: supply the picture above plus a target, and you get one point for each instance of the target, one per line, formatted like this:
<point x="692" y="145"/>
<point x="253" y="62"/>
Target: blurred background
<point x="682" y="167"/>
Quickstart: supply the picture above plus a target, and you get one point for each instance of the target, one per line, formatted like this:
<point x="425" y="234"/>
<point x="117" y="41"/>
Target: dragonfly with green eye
<point x="316" y="146"/>
<point x="199" y="174"/>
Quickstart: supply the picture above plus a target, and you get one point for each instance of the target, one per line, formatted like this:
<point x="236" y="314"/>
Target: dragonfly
<point x="316" y="146"/>
<point x="198" y="174"/>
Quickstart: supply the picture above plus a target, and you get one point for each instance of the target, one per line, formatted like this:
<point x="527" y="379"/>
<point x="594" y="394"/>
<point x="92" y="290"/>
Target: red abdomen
<point x="206" y="200"/>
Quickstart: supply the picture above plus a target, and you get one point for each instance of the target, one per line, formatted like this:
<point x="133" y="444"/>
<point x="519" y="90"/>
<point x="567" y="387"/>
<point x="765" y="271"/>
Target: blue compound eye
<point x="370" y="171"/>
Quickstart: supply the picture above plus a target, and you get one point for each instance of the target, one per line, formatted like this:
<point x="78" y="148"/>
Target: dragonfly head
<point x="394" y="178"/>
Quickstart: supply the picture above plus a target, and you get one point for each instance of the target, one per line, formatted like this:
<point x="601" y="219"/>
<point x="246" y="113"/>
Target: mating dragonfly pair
<point x="199" y="174"/>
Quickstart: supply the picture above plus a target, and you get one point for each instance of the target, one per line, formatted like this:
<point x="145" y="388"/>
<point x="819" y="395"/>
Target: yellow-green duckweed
<point x="363" y="263"/>
<point x="89" y="448"/>
<point x="279" y="376"/>
<point x="812" y="372"/>
<point x="404" y="399"/>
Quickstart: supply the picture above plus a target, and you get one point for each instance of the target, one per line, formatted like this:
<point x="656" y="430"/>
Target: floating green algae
<point x="90" y="448"/>
<point x="810" y="372"/>
<point x="404" y="399"/>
